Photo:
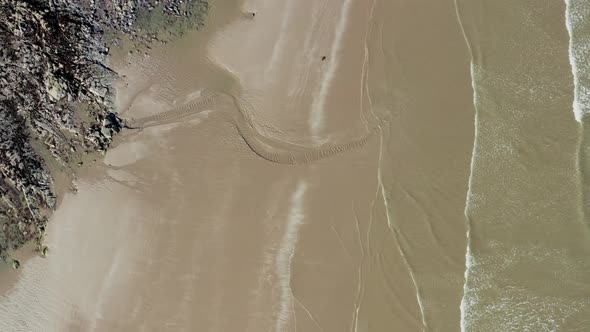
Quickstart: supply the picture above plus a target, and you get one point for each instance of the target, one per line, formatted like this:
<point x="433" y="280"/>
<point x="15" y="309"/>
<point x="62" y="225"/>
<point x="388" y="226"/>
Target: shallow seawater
<point x="528" y="235"/>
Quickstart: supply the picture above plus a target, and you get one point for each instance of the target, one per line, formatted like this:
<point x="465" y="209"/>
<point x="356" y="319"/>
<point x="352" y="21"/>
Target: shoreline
<point x="75" y="117"/>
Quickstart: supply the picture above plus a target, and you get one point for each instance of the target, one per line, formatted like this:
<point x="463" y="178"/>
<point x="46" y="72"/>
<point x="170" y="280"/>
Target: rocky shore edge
<point x="56" y="94"/>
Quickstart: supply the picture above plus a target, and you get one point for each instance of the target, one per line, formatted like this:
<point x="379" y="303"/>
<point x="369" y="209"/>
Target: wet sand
<point x="420" y="86"/>
<point x="186" y="225"/>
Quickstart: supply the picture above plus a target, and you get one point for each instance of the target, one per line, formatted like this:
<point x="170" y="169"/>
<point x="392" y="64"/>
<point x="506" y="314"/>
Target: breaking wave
<point x="577" y="21"/>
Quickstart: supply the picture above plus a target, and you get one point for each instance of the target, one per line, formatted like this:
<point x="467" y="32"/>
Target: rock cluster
<point x="56" y="99"/>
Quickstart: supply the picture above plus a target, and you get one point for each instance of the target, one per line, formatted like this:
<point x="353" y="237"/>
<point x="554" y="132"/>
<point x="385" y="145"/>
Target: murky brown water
<point x="529" y="241"/>
<point x="307" y="169"/>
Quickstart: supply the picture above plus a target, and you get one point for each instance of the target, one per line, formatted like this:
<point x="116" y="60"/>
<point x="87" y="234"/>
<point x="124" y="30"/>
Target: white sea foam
<point x="577" y="19"/>
<point x="279" y="46"/>
<point x="285" y="254"/>
<point x="469" y="259"/>
<point x="317" y="113"/>
<point x="464" y="306"/>
<point x="467" y="300"/>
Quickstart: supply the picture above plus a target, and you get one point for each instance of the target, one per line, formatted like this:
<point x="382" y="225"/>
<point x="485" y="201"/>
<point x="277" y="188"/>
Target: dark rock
<point x="52" y="66"/>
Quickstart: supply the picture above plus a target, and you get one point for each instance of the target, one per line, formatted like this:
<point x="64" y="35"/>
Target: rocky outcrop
<point x="56" y="99"/>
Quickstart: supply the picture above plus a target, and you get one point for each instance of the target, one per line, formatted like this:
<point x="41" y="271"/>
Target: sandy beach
<point x="322" y="191"/>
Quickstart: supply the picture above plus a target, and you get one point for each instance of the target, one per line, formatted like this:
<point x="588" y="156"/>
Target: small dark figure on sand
<point x="323" y="58"/>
